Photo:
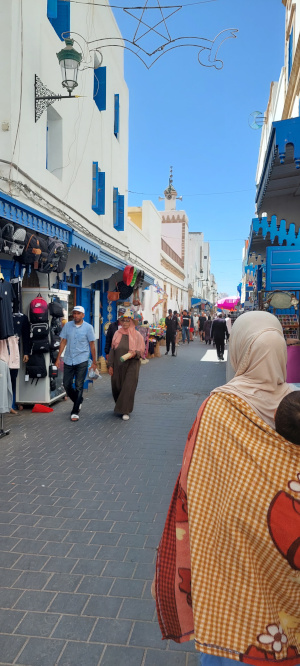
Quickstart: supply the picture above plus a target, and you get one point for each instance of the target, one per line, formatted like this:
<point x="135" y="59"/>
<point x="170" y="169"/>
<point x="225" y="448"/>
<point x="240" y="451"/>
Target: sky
<point x="196" y="118"/>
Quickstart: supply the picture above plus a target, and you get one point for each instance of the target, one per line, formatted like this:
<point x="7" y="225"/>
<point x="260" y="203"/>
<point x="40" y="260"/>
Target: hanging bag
<point x="56" y="309"/>
<point x="113" y="295"/>
<point x="36" y="367"/>
<point x="38" y="310"/>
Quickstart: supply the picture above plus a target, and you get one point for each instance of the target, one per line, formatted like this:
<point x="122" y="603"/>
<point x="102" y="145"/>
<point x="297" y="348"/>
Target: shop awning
<point x="281" y="171"/>
<point x="198" y="301"/>
<point x="17" y="212"/>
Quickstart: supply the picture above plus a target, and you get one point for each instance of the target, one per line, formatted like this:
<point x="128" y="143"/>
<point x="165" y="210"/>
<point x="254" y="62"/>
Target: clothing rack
<point x="2" y="431"/>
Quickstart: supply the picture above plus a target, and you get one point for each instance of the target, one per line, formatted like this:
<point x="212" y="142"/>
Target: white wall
<point x="87" y="133"/>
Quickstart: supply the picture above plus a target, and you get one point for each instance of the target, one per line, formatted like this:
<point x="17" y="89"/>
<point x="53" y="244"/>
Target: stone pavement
<point x="82" y="506"/>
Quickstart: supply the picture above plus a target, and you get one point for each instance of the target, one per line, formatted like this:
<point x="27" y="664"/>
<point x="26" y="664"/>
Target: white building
<point x="278" y="170"/>
<point x="64" y="173"/>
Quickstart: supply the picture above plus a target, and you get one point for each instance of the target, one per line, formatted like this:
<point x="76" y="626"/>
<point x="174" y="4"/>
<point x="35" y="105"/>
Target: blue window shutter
<point x="52" y="9"/>
<point x="115" y="207"/>
<point x="121" y="212"/>
<point x="100" y="88"/>
<point x="101" y="192"/>
<point x="61" y="23"/>
<point x="95" y="196"/>
<point x="290" y="61"/>
<point x="98" y="192"/>
<point x="117" y="114"/>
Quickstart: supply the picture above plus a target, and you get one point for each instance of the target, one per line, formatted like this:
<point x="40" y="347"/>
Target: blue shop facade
<point x="91" y="271"/>
<point x="272" y="259"/>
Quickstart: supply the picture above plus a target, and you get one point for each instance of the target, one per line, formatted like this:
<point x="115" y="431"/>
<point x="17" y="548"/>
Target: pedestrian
<point x="78" y="340"/>
<point x="202" y="319"/>
<point x="170" y="332"/>
<point x="176" y="326"/>
<point x="287" y="417"/>
<point x="229" y="579"/>
<point x="125" y="373"/>
<point x="113" y="327"/>
<point x="218" y="333"/>
<point x="185" y="326"/>
<point x="192" y="327"/>
<point x="207" y="330"/>
<point x="196" y="322"/>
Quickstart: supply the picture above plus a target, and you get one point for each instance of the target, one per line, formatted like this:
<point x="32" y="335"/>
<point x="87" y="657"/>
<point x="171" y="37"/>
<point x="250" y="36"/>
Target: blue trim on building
<point x="276" y="230"/>
<point x="14" y="211"/>
<point x="283" y="132"/>
<point x="86" y="245"/>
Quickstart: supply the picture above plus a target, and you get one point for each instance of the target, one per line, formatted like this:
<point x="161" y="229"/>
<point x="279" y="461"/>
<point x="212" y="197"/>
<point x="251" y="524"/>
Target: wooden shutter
<point x="116" y="118"/>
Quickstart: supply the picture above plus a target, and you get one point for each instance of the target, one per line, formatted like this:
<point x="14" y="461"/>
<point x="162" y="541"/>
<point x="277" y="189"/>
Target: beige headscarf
<point x="258" y="355"/>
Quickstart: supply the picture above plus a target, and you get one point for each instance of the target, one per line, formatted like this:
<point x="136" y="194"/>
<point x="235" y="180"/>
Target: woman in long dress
<point x="125" y="374"/>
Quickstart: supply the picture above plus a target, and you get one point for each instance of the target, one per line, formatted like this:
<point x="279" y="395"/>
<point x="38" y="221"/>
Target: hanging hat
<point x="41" y="409"/>
<point x="133" y="281"/>
<point x="124" y="290"/>
<point x="128" y="274"/>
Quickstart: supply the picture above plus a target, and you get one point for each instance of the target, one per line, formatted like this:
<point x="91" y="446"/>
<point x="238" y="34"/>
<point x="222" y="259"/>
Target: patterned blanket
<point x="228" y="566"/>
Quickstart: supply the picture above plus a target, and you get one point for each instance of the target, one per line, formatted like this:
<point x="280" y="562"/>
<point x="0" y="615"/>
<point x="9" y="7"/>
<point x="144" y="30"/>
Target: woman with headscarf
<point x="228" y="564"/>
<point x="207" y="330"/>
<point x="125" y="372"/>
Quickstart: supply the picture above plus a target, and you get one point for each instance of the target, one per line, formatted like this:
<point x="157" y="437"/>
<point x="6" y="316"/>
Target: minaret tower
<point x="170" y="194"/>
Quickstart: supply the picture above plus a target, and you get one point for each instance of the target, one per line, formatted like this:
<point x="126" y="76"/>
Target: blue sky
<point x="196" y="119"/>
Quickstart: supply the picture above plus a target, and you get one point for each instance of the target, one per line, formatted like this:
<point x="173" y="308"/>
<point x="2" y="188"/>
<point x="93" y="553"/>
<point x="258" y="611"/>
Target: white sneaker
<point x="125" y="417"/>
<point x="74" y="417"/>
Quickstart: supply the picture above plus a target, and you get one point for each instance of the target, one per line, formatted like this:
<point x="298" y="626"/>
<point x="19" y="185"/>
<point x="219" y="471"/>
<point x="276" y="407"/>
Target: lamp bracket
<point x="43" y="97"/>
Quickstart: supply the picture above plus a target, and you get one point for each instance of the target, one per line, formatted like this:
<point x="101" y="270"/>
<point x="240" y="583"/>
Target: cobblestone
<point x="82" y="507"/>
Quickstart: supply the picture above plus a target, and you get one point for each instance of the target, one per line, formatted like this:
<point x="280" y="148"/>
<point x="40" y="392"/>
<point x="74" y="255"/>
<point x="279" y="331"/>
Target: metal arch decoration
<point x="207" y="55"/>
<point x="208" y="49"/>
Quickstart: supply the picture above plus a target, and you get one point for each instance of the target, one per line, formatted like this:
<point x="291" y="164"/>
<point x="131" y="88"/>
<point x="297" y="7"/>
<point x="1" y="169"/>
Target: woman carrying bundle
<point x="124" y="364"/>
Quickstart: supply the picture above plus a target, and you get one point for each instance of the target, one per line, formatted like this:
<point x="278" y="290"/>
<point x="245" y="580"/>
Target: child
<point x="287" y="417"/>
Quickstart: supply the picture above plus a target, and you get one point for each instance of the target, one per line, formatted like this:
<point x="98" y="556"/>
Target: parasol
<point x="228" y="303"/>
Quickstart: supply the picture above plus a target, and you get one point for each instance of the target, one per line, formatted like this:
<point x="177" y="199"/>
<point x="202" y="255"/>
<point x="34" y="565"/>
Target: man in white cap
<point x="78" y="338"/>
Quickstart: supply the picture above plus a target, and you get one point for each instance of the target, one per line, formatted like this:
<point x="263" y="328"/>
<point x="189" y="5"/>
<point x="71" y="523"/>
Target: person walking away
<point x="218" y="333"/>
<point x="177" y="326"/>
<point x="78" y="338"/>
<point x="125" y="374"/>
<point x="185" y="326"/>
<point x="202" y="319"/>
<point x="192" y="328"/>
<point x="207" y="330"/>
<point x="238" y="550"/>
<point x="196" y="322"/>
<point x="170" y="332"/>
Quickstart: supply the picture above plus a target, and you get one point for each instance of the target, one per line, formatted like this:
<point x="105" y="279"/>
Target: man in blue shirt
<point x="78" y="338"/>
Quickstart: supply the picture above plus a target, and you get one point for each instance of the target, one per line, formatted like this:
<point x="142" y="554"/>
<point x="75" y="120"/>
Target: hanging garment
<point x="5" y="389"/>
<point x="7" y="296"/>
<point x="22" y="330"/>
<point x="9" y="352"/>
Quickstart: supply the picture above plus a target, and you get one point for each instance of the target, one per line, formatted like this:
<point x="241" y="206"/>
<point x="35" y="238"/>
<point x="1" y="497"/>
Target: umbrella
<point x="228" y="303"/>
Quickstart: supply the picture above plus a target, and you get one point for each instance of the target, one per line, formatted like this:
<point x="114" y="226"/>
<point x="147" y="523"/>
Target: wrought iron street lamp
<point x="69" y="60"/>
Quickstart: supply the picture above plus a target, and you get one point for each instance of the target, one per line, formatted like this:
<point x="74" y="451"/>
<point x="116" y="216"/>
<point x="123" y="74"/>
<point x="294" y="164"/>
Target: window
<point x="290" y="54"/>
<point x="118" y="210"/>
<point x="54" y="142"/>
<point x="116" y="116"/>
<point x="171" y="292"/>
<point x="58" y="12"/>
<point x="98" y="193"/>
<point x="100" y="88"/>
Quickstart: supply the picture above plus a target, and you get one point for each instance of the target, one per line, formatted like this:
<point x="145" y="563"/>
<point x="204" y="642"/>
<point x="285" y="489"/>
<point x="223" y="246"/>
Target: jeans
<point x="78" y="372"/>
<point x="211" y="660"/>
<point x="185" y="332"/>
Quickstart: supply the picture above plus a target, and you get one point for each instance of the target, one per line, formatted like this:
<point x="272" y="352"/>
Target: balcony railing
<point x="168" y="250"/>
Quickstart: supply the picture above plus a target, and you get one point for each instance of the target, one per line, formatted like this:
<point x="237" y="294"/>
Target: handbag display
<point x="113" y="295"/>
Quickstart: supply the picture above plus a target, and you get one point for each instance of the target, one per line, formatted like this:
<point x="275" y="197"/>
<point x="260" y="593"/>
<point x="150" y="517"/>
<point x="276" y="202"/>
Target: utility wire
<point x="199" y="194"/>
<point x="109" y="6"/>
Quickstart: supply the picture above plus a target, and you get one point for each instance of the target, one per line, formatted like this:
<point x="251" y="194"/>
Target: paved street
<point x="82" y="507"/>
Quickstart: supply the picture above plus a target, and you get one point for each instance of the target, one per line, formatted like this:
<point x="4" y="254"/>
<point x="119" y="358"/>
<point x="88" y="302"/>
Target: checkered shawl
<point x="173" y="566"/>
<point x="243" y="495"/>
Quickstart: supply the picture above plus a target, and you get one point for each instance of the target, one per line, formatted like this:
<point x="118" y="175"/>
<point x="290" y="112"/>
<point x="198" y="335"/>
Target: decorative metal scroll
<point x="43" y="97"/>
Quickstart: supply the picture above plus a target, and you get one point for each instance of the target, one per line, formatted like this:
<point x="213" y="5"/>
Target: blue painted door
<point x="283" y="269"/>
